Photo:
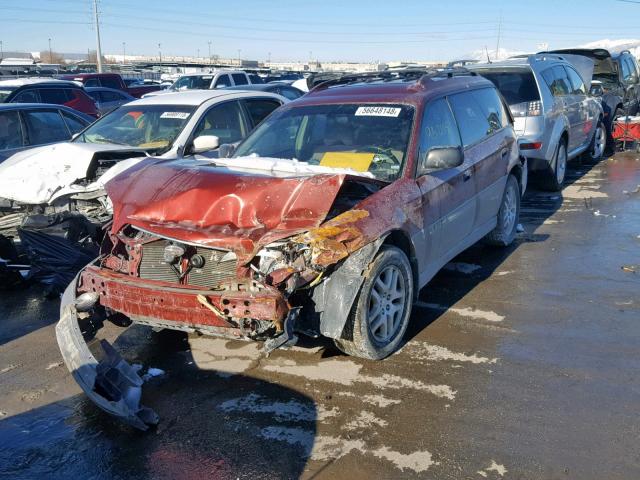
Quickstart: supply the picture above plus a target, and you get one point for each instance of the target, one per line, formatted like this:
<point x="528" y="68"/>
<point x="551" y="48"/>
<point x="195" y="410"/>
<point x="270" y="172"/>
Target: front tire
<point x="554" y="176"/>
<point x="380" y="315"/>
<point x="508" y="216"/>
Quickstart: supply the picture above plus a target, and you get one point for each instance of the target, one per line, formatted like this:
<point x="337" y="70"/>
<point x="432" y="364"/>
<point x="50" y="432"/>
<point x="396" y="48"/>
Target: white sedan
<point x="193" y="123"/>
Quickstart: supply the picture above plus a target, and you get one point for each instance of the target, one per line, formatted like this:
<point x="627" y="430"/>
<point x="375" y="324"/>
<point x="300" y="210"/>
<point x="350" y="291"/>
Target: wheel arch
<point x="401" y="240"/>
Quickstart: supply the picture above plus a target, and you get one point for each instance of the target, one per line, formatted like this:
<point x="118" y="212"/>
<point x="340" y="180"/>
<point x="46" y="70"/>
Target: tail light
<point x="527" y="109"/>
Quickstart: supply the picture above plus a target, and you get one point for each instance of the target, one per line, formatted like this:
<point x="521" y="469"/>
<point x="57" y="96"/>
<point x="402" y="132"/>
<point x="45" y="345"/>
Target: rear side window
<point x="577" y="84"/>
<point x="290" y="93"/>
<point x="492" y="108"/>
<point x="110" y="82"/>
<point x="255" y="78"/>
<point x="45" y="126"/>
<point x="557" y="80"/>
<point x="259" y="109"/>
<point x="58" y="96"/>
<point x="472" y="121"/>
<point x="27" y="96"/>
<point x="91" y="82"/>
<point x="516" y="86"/>
<point x="239" y="79"/>
<point x="224" y="121"/>
<point x="10" y="130"/>
<point x="439" y="128"/>
<point x="110" y="96"/>
<point x="223" y="81"/>
<point x="74" y="123"/>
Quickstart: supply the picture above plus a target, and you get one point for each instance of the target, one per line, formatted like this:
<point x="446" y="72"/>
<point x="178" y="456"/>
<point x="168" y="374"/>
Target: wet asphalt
<point x="519" y="364"/>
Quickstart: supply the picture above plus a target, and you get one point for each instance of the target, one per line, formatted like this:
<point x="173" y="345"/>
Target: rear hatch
<point x="519" y="88"/>
<point x="604" y="67"/>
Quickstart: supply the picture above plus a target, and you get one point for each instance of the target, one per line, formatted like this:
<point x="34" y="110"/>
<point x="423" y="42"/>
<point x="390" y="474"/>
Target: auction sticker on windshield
<point x="178" y="115"/>
<point x="375" y="111"/>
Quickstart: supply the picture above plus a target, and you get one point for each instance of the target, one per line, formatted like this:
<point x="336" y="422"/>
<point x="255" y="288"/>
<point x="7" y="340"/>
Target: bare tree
<point x="51" y="57"/>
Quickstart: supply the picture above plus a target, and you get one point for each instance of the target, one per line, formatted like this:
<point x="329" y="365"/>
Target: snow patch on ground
<point x="380" y="400"/>
<point x="425" y="351"/>
<point x="416" y="461"/>
<point x="281" y="411"/>
<point x="364" y="420"/>
<point x="494" y="467"/>
<point x="347" y="372"/>
<point x="478" y="314"/>
<point x="578" y="192"/>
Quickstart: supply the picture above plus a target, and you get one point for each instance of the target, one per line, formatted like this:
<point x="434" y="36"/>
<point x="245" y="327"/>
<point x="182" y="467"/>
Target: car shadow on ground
<point x="213" y="425"/>
<point x="24" y="310"/>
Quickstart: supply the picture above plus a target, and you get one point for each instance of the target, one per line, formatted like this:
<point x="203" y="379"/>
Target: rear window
<point x="516" y="86"/>
<point x="5" y="92"/>
<point x="58" y="96"/>
<point x="110" y="82"/>
<point x="239" y="79"/>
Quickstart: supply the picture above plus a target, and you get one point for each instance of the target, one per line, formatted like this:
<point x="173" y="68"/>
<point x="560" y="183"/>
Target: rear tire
<point x="380" y="315"/>
<point x="508" y="216"/>
<point x="598" y="144"/>
<point x="554" y="176"/>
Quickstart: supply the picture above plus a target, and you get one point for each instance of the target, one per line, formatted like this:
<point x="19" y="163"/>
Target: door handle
<point x="466" y="175"/>
<point x="504" y="153"/>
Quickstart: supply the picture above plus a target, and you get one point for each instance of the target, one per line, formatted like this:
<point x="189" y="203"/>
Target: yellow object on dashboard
<point x="359" y="162"/>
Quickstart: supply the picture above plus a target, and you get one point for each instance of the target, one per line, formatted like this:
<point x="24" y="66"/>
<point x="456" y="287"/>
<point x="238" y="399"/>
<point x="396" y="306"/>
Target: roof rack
<point x="418" y="74"/>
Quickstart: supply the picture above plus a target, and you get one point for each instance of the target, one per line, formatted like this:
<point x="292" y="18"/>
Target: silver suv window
<point x="557" y="80"/>
<point x="515" y="85"/>
<point x="577" y="83"/>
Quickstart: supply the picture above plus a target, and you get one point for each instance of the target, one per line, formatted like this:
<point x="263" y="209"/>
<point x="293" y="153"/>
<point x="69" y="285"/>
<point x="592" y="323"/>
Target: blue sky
<point x="358" y="30"/>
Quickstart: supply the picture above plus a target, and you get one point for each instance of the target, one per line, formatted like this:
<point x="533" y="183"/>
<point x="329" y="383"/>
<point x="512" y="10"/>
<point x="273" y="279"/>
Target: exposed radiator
<point x="219" y="265"/>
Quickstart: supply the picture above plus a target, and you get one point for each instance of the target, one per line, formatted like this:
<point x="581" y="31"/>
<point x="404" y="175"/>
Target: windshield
<point x="364" y="138"/>
<point x="516" y="86"/>
<point x="192" y="82"/>
<point x="5" y="92"/>
<point x="152" y="127"/>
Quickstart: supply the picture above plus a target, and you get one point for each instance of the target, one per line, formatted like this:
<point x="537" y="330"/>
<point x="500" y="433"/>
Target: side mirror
<point x="226" y="150"/>
<point x="204" y="143"/>
<point x="441" y="158"/>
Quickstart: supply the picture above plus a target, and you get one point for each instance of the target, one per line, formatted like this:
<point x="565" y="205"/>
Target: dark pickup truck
<point x="111" y="80"/>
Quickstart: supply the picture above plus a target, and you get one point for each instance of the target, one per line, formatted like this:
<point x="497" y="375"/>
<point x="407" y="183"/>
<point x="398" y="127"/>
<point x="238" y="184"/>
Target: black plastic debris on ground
<point x="58" y="246"/>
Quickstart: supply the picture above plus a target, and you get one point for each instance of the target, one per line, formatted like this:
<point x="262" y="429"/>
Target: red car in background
<point x="46" y="90"/>
<point x="111" y="80"/>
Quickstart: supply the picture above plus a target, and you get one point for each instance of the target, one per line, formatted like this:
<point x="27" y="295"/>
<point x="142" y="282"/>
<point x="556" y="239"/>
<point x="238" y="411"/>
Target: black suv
<point x="615" y="78"/>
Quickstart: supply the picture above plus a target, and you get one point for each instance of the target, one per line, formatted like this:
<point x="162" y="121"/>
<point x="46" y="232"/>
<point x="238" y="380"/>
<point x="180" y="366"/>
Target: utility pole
<point x="239" y="61"/>
<point x="160" y="52"/>
<point x="98" y="47"/>
<point x="209" y="52"/>
<point x="50" y="55"/>
<point x="198" y="57"/>
<point x="1" y="51"/>
<point x="269" y="61"/>
<point x="498" y="41"/>
<point x="124" y="55"/>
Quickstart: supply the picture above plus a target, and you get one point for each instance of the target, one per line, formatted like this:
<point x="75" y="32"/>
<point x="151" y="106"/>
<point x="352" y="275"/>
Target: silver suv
<point x="556" y="119"/>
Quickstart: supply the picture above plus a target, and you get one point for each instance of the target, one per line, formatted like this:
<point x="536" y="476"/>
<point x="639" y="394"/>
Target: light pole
<point x="269" y="61"/>
<point x="98" y="46"/>
<point x="239" y="61"/>
<point x="1" y="52"/>
<point x="160" y="52"/>
<point x="50" y="56"/>
<point x="198" y="57"/>
<point x="209" y="52"/>
<point x="124" y="52"/>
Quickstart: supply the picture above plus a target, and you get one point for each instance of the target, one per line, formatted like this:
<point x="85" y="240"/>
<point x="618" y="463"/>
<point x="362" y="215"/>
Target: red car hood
<point x="192" y="201"/>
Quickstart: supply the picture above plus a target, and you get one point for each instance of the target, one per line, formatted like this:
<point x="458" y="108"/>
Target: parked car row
<point x="237" y="213"/>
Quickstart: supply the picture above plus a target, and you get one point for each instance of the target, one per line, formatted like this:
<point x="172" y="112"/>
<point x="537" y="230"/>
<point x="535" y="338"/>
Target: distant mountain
<point x="633" y="45"/>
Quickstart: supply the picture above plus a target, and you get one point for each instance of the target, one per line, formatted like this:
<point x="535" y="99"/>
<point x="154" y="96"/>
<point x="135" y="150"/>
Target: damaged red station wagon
<point x="326" y="220"/>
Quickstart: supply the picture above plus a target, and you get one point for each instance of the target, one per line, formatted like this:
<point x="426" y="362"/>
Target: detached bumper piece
<point x="112" y="384"/>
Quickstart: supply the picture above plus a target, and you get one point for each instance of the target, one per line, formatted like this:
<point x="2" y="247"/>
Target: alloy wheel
<point x="387" y="304"/>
